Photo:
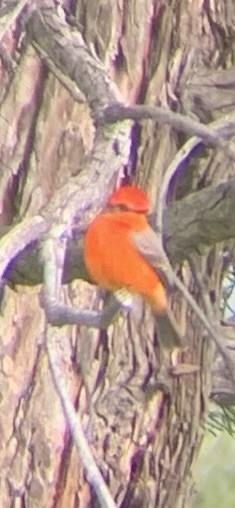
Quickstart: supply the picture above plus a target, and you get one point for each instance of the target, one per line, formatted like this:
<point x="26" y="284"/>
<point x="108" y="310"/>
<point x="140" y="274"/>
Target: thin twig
<point x="222" y="127"/>
<point x="213" y="333"/>
<point x="73" y="419"/>
<point x="209" y="311"/>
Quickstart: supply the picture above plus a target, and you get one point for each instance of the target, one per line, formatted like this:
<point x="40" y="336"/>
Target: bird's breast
<point x="112" y="260"/>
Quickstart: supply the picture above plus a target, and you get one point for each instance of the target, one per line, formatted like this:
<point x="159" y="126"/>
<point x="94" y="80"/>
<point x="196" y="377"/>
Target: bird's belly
<point x="119" y="266"/>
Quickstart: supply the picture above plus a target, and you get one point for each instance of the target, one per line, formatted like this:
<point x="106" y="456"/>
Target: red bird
<point x="121" y="250"/>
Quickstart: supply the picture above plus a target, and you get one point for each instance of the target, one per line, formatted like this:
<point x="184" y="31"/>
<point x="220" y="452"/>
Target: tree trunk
<point x="144" y="440"/>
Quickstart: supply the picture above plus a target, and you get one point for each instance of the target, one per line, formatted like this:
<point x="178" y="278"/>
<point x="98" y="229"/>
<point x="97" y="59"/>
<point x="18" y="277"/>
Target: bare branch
<point x="222" y="127"/>
<point x="207" y="135"/>
<point x="58" y="314"/>
<point x="73" y="420"/>
<point x="67" y="49"/>
<point x="200" y="220"/>
<point x="18" y="238"/>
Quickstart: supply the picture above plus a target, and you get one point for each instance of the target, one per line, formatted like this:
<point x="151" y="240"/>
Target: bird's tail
<point x="168" y="331"/>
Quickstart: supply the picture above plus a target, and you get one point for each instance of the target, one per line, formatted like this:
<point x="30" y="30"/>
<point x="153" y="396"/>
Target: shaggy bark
<point x="53" y="157"/>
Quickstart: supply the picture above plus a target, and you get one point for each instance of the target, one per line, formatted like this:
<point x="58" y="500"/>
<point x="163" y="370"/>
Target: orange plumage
<point x="122" y="251"/>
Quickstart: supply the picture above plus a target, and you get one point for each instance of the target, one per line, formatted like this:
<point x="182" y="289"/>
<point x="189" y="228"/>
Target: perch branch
<point x="58" y="314"/>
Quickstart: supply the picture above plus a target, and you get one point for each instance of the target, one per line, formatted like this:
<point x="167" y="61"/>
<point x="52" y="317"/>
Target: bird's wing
<point x="149" y="246"/>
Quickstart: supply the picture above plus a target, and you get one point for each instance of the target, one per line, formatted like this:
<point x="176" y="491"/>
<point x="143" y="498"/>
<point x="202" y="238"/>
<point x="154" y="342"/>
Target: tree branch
<point x="200" y="220"/>
<point x="73" y="420"/>
<point x="222" y="128"/>
<point x="68" y="51"/>
<point x="58" y="314"/>
<point x="66" y="48"/>
<point x="209" y="135"/>
<point x="18" y="238"/>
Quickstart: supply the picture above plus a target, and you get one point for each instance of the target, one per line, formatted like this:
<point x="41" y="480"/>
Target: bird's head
<point x="129" y="198"/>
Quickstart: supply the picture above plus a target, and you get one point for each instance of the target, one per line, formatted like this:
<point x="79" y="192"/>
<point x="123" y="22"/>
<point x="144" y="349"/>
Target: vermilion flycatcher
<point x="121" y="250"/>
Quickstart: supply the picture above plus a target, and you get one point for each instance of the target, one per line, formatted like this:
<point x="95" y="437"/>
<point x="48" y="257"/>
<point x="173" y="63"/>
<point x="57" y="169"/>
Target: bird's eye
<point x="124" y="208"/>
